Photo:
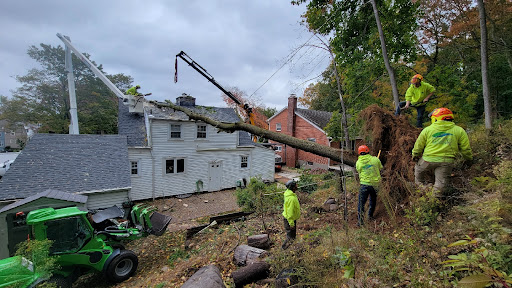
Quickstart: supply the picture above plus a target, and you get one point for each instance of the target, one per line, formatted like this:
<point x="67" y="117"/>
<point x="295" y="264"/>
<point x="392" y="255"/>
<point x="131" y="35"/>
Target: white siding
<point x="106" y="199"/>
<point x="198" y="153"/>
<point x="142" y="183"/>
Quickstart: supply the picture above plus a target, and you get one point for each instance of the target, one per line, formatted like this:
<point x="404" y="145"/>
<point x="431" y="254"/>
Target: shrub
<point x="424" y="209"/>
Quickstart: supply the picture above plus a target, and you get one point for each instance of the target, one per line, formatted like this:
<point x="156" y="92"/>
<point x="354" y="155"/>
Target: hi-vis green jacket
<point x="441" y="142"/>
<point x="368" y="167"/>
<point x="418" y="94"/>
<point x="291" y="207"/>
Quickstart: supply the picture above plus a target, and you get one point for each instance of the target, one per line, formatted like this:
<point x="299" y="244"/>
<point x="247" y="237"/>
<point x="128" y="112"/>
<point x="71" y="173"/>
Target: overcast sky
<point x="240" y="43"/>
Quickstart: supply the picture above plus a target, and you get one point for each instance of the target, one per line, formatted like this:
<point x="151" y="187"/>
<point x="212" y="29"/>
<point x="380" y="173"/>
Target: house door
<point x="214" y="176"/>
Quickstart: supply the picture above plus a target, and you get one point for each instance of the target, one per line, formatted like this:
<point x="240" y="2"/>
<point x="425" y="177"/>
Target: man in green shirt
<point x="134" y="91"/>
<point x="291" y="212"/>
<point x="417" y="96"/>
<point x="368" y="167"/>
<point x="438" y="145"/>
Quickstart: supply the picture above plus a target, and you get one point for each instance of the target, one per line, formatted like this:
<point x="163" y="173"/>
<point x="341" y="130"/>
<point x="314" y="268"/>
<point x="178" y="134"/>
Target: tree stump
<point x="250" y="273"/>
<point x="261" y="241"/>
<point x="245" y="254"/>
<point x="206" y="277"/>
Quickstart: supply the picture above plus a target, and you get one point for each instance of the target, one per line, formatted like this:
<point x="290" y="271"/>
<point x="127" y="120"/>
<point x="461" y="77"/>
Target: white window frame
<point x="175" y="165"/>
<point x="171" y="126"/>
<point x="205" y="131"/>
<point x="244" y="161"/>
<point x="279" y="148"/>
<point x="312" y="139"/>
<point x="136" y="162"/>
<point x="278" y="126"/>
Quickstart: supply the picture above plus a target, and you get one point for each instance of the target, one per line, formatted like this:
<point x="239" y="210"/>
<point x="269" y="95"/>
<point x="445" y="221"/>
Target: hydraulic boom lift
<point x="209" y="77"/>
<point x="134" y="102"/>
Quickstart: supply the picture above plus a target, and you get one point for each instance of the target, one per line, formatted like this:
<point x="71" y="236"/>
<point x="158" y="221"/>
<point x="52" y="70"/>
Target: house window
<point x="175" y="131"/>
<point x="278" y="126"/>
<point x="174" y="166"/>
<point x="312" y="139"/>
<point x="134" y="167"/>
<point x="279" y="148"/>
<point x="201" y="131"/>
<point x="244" y="161"/>
<point x="310" y="163"/>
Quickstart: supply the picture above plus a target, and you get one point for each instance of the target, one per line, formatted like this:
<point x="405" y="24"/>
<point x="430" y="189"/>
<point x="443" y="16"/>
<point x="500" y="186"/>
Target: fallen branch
<point x="349" y="157"/>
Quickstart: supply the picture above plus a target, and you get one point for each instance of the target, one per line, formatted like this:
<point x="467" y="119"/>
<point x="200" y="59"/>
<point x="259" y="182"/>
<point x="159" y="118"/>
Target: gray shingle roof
<point x="53" y="194"/>
<point x="319" y="118"/>
<point x="70" y="163"/>
<point x="226" y="115"/>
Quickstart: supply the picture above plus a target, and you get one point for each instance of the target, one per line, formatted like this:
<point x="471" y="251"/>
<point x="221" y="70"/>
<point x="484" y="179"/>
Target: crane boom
<point x="210" y="78"/>
<point x="134" y="102"/>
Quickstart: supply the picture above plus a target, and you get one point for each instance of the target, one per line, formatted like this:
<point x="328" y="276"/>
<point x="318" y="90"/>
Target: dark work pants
<point x="291" y="232"/>
<point x="420" y="109"/>
<point x="364" y="192"/>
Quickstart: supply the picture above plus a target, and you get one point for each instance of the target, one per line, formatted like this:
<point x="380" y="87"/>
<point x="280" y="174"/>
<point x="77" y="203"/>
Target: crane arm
<point x="93" y="68"/>
<point x="210" y="78"/>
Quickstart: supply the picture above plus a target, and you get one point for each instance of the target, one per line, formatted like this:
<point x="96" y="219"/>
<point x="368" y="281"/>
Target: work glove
<point x="415" y="158"/>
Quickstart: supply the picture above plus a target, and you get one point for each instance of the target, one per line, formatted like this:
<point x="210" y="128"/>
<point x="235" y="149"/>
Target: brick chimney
<point x="291" y="153"/>
<point x="186" y="100"/>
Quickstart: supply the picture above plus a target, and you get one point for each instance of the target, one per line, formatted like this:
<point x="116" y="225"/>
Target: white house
<point x="170" y="154"/>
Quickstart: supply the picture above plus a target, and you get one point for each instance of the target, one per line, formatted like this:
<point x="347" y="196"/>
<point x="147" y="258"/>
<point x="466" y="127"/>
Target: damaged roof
<point x="70" y="163"/>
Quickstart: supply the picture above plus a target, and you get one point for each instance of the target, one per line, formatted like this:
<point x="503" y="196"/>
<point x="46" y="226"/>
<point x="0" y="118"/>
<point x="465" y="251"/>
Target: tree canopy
<point x="43" y="96"/>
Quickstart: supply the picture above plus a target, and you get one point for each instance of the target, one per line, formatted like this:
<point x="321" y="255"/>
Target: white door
<point x="214" y="176"/>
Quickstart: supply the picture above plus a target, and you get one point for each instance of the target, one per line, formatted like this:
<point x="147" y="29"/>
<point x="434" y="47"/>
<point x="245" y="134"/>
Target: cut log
<point x="250" y="273"/>
<point x="206" y="277"/>
<point x="245" y="254"/>
<point x="261" y="241"/>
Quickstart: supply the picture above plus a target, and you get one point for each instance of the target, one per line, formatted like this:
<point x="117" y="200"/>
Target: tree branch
<point x="349" y="157"/>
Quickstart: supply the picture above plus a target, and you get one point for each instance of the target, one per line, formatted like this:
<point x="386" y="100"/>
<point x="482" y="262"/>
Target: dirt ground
<point x="186" y="212"/>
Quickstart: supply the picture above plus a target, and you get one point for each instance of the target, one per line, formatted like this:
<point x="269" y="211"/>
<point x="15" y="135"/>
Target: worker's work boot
<point x="287" y="243"/>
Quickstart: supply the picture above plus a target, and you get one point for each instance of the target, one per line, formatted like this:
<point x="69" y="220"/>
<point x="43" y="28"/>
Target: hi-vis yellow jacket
<point x="368" y="167"/>
<point x="441" y="142"/>
<point x="291" y="207"/>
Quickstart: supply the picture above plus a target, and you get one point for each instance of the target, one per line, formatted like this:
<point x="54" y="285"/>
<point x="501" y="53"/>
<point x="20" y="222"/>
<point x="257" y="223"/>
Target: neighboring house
<point x="170" y="154"/>
<point x="304" y="124"/>
<point x="92" y="165"/>
<point x="13" y="228"/>
<point x="11" y="136"/>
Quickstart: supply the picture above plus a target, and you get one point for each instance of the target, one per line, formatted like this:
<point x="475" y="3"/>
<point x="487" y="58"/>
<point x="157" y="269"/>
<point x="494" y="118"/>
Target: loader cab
<point x="68" y="228"/>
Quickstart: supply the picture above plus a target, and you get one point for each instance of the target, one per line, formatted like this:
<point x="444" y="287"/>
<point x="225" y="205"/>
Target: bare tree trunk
<point x="344" y="123"/>
<point x="484" y="60"/>
<point x="391" y="72"/>
<point x="350" y="157"/>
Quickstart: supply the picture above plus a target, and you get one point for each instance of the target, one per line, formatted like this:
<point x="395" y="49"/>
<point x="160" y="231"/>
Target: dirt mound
<point x="394" y="136"/>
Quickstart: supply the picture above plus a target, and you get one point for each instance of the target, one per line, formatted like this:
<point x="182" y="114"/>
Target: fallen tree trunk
<point x="207" y="277"/>
<point x="250" y="273"/>
<point x="349" y="157"/>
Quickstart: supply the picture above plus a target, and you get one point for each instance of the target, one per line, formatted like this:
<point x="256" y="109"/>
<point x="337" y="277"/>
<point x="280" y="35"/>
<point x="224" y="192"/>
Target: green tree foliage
<point x="43" y="95"/>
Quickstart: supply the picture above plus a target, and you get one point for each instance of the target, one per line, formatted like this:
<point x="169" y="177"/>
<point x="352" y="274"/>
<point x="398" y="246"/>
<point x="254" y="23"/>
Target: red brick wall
<point x="303" y="130"/>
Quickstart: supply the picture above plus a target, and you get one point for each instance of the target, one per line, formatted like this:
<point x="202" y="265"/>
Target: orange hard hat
<point x="415" y="78"/>
<point x="441" y="114"/>
<point x="363" y="149"/>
